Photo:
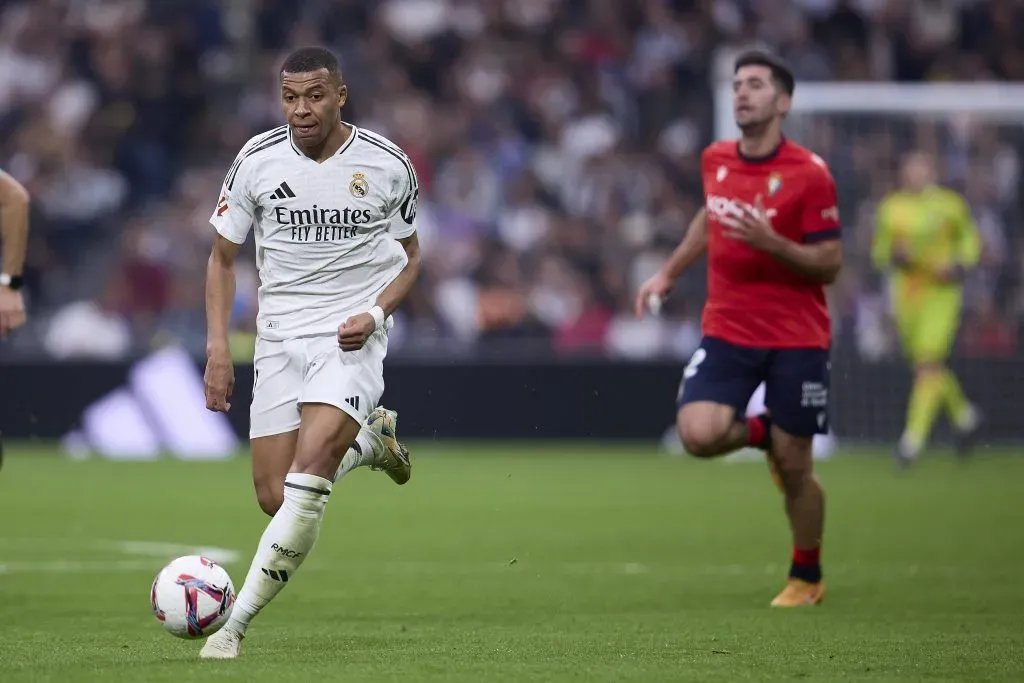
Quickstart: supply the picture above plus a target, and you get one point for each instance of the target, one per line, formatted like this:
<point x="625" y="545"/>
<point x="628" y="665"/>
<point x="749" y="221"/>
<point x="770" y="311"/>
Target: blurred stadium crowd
<point x="557" y="144"/>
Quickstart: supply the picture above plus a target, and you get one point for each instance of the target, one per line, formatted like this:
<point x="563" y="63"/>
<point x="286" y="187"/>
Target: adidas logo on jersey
<point x="353" y="401"/>
<point x="283" y="192"/>
<point x="318" y="224"/>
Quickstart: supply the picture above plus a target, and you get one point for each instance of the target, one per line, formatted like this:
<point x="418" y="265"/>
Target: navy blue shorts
<point x="796" y="382"/>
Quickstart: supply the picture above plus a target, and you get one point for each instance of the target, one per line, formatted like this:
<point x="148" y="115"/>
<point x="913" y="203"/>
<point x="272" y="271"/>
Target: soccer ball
<point x="192" y="597"/>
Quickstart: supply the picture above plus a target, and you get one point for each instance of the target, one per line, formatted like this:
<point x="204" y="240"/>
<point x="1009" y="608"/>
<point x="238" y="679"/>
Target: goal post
<point x="976" y="133"/>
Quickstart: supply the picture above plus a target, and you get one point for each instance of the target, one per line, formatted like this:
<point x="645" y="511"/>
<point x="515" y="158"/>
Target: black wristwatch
<point x="13" y="282"/>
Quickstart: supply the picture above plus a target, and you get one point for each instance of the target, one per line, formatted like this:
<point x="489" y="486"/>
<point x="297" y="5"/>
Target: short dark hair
<point x="307" y="59"/>
<point x="780" y="72"/>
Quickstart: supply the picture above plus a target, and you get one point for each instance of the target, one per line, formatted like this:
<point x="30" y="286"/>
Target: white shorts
<point x="313" y="370"/>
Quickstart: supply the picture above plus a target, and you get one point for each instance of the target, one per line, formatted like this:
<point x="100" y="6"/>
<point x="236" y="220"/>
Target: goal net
<point x="976" y="132"/>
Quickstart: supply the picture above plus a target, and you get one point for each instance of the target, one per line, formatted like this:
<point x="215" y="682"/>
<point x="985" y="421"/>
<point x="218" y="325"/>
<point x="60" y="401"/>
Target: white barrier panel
<point x="170" y="388"/>
<point x="162" y="410"/>
<point x="116" y="427"/>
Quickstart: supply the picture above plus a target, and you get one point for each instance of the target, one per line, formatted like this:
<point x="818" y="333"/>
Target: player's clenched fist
<point x="752" y="226"/>
<point x="656" y="288"/>
<point x="354" y="332"/>
<point x="219" y="381"/>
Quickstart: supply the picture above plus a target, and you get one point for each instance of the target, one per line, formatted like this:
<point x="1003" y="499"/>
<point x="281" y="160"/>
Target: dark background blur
<point x="557" y="144"/>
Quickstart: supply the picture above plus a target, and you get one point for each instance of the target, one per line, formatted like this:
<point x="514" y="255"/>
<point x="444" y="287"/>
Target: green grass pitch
<point x="523" y="563"/>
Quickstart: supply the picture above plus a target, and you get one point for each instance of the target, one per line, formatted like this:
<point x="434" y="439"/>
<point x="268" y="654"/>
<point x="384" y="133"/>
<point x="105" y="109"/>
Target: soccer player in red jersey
<point x="770" y="227"/>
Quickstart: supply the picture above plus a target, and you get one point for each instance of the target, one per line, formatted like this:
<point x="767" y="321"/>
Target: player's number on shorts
<point x="695" y="360"/>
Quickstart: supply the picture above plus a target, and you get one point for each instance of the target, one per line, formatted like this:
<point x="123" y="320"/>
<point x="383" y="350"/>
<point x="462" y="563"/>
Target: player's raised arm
<point x="396" y="292"/>
<point x="403" y="228"/>
<point x="819" y="256"/>
<point x="692" y="247"/>
<point x="14" y="202"/>
<point x="820" y="262"/>
<point x="357" y="329"/>
<point x="354" y="332"/>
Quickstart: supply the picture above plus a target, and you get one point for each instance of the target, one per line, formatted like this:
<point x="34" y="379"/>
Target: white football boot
<point x="224" y="644"/>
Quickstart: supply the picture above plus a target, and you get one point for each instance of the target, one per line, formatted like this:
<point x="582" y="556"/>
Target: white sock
<point x="361" y="454"/>
<point x="285" y="544"/>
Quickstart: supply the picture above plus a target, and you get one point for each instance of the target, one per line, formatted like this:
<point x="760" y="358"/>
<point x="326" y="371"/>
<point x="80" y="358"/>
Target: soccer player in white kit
<point x="333" y="209"/>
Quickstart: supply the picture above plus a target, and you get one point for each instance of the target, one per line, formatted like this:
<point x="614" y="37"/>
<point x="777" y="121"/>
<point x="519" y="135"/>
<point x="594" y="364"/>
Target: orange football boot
<point x="799" y="593"/>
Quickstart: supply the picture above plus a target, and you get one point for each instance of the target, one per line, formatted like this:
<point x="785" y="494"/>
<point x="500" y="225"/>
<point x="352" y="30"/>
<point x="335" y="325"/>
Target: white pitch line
<point x="172" y="550"/>
<point x="75" y="567"/>
<point x="155" y="550"/>
<point x="633" y="569"/>
<point x="152" y="553"/>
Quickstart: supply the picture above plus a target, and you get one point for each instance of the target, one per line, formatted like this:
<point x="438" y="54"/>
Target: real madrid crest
<point x="359" y="187"/>
<point x="774" y="183"/>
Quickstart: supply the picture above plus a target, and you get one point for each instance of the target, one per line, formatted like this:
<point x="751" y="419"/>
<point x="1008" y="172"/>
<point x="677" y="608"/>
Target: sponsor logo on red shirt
<point x="753" y="298"/>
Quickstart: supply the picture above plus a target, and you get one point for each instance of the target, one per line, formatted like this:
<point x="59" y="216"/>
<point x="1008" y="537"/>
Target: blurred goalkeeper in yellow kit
<point x="926" y="239"/>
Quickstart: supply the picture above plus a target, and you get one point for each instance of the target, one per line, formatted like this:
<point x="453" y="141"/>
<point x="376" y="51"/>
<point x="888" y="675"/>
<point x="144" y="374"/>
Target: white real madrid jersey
<point x="326" y="233"/>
